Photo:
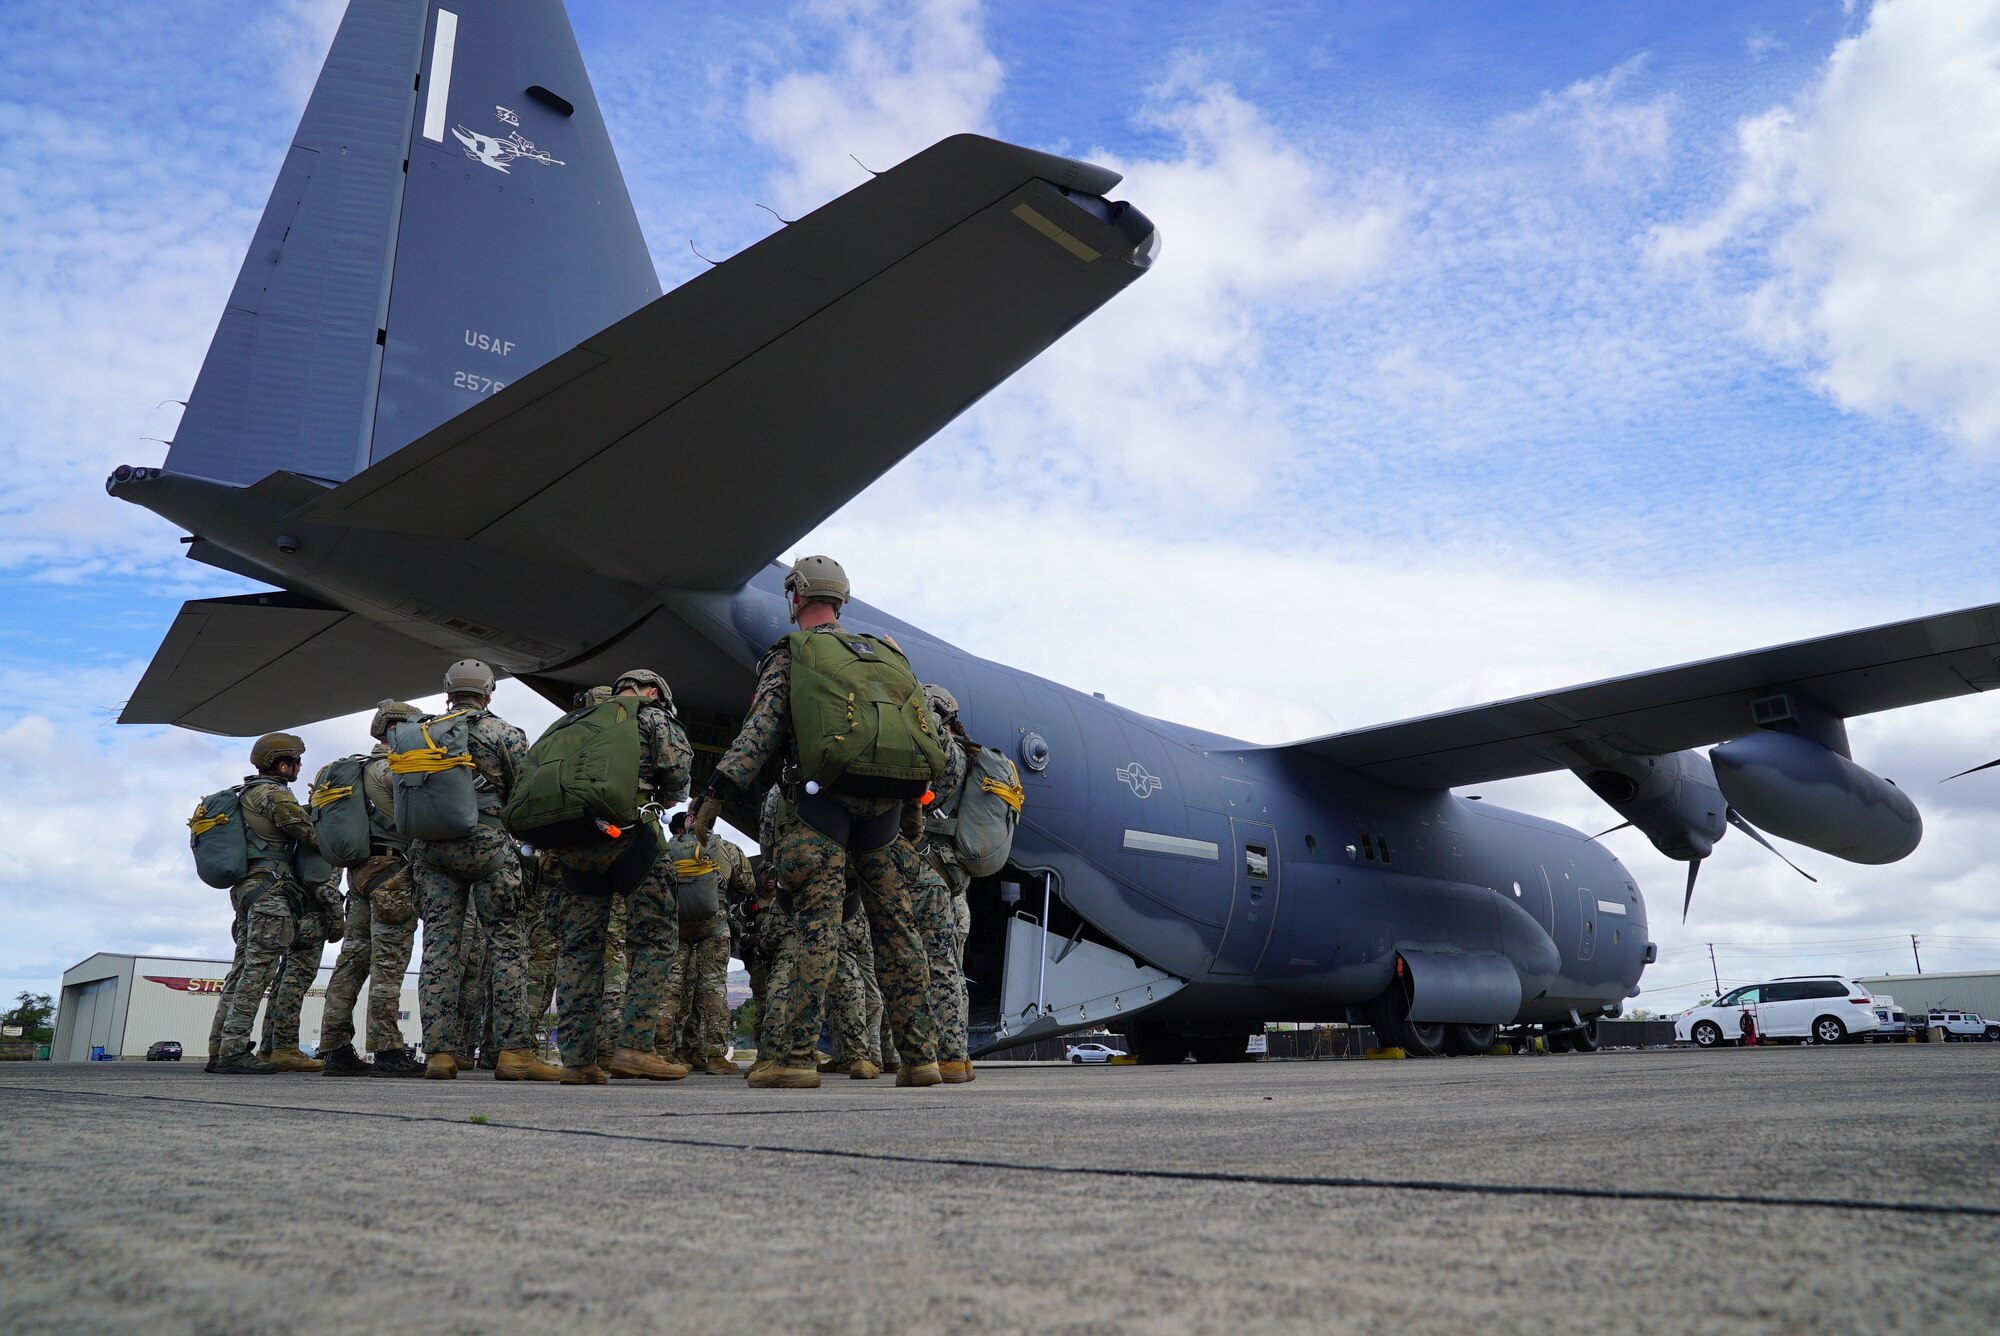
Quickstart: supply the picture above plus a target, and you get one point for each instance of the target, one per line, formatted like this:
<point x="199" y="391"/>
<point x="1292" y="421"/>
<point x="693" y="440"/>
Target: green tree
<point x="33" y="1012"/>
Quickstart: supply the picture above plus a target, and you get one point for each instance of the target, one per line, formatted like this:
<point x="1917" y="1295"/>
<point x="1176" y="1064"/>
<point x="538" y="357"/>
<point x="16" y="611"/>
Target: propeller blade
<point x="1963" y="773"/>
<point x="1737" y="821"/>
<point x="1602" y="833"/>
<point x="1694" y="870"/>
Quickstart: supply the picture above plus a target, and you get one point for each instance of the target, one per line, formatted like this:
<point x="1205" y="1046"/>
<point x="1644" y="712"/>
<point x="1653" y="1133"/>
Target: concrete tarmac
<point x="1834" y="1190"/>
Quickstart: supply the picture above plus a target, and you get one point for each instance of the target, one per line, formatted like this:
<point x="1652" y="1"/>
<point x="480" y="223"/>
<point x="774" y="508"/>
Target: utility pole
<point x="1913" y="953"/>
<point x="1716" y="973"/>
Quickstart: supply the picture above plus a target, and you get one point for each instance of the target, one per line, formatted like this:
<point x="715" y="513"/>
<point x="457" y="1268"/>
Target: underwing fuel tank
<point x="1794" y="788"/>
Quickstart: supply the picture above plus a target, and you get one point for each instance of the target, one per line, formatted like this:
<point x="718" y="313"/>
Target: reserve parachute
<point x="980" y="824"/>
<point x="580" y="781"/>
<point x="697" y="883"/>
<point x="859" y="717"/>
<point x="435" y="783"/>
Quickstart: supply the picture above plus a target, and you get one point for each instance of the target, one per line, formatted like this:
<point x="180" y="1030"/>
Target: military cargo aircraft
<point x="440" y="413"/>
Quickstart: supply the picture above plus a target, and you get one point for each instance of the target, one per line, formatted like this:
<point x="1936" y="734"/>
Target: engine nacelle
<point x="1673" y="800"/>
<point x="1795" y="788"/>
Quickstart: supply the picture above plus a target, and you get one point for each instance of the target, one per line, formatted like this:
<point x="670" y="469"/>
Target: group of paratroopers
<point x="556" y="869"/>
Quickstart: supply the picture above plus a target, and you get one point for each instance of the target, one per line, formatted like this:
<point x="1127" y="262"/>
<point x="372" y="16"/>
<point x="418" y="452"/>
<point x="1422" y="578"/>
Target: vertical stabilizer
<point x="448" y="217"/>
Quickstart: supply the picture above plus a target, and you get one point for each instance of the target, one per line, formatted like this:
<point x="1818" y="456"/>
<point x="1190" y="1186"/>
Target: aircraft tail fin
<point x="449" y="217"/>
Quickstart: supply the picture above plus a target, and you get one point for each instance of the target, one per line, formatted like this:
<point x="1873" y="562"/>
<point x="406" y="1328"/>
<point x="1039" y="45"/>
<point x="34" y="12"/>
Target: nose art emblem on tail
<point x="1143" y="785"/>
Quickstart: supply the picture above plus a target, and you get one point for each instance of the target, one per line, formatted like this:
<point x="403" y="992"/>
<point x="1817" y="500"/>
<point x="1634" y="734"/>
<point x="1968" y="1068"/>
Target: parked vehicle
<point x="1092" y="1052"/>
<point x="1964" y="1026"/>
<point x="164" y="1050"/>
<point x="1812" y="1008"/>
<point x="1895" y="1024"/>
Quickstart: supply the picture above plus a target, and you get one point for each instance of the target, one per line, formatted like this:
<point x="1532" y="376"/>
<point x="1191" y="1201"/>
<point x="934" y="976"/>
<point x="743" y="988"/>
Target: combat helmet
<point x="389" y="712"/>
<point x="645" y="677"/>
<point x="272" y="748"/>
<point x="469" y="675"/>
<point x="942" y="702"/>
<point x="818" y="578"/>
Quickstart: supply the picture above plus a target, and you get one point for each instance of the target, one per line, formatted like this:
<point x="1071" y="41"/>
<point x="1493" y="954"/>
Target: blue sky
<point x="1491" y="348"/>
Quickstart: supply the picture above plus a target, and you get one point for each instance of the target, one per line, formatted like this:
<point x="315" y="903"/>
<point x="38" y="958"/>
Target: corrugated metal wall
<point x="1978" y="991"/>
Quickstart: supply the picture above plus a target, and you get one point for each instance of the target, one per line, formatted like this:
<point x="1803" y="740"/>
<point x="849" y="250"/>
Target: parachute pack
<point x="346" y="815"/>
<point x="580" y="782"/>
<point x="988" y="807"/>
<point x="697" y="882"/>
<point x="859" y="718"/>
<point x="434" y="781"/>
<point x="219" y="839"/>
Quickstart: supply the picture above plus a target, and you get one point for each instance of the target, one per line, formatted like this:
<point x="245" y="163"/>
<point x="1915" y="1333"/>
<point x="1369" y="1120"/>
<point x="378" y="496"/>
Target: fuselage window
<point x="1368" y="847"/>
<point x="1257" y="861"/>
<point x="1382" y="842"/>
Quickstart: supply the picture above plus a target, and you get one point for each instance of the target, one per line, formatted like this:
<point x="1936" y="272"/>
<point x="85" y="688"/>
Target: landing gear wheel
<point x="1587" y="1038"/>
<point x="1227" y="1048"/>
<point x="1469" y="1040"/>
<point x="1558" y="1040"/>
<point x="1829" y="1030"/>
<point x="1157" y="1046"/>
<point x="1707" y="1034"/>
<point x="1389" y="1015"/>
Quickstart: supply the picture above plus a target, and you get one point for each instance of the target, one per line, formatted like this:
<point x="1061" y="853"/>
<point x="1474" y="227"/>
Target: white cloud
<point x="1870" y="208"/>
<point x="1615" y="140"/>
<point x="907" y="73"/>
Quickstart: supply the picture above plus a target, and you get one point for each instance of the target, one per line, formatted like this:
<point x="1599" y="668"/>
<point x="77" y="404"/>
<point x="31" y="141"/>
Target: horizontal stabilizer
<point x="1672" y="709"/>
<point x="692" y="442"/>
<point x="260" y="662"/>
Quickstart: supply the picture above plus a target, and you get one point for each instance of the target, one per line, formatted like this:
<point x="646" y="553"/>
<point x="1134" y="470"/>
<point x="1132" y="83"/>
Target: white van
<point x="1816" y="1008"/>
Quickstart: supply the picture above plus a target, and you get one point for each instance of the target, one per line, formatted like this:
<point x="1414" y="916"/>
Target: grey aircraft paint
<point x="1202" y="883"/>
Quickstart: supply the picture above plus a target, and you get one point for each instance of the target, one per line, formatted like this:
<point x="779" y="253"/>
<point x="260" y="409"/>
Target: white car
<point x="1092" y="1052"/>
<point x="1817" y="1008"/>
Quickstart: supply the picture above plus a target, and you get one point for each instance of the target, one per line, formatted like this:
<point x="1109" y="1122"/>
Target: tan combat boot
<point x="761" y="1064"/>
<point x="630" y="1064"/>
<point x="862" y="1070"/>
<point x="440" y="1067"/>
<point x="834" y="1066"/>
<point x="588" y="1074"/>
<point x="521" y="1064"/>
<point x="955" y="1073"/>
<point x="721" y="1066"/>
<point x="926" y="1074"/>
<point x="775" y="1077"/>
<point x="292" y="1060"/>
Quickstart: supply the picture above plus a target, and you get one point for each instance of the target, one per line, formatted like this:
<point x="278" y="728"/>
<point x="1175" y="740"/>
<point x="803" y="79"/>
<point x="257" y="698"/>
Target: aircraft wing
<point x="691" y="442"/>
<point x="241" y="666"/>
<point x="1671" y="709"/>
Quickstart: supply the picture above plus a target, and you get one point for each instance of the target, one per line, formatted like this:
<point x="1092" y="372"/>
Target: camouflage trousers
<point x="373" y="951"/>
<point x="539" y="915"/>
<point x="229" y="982"/>
<point x="854" y="1012"/>
<point x="294" y="980"/>
<point x="583" y="924"/>
<point x="812" y="869"/>
<point x="694" y="1018"/>
<point x="768" y="970"/>
<point x="617" y="969"/>
<point x="931" y="905"/>
<point x="263" y="902"/>
<point x="475" y="988"/>
<point x="481" y="873"/>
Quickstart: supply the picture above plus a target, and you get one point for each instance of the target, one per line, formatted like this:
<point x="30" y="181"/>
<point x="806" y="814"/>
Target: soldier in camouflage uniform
<point x="269" y="899"/>
<point x="694" y="1022"/>
<point x="929" y="860"/>
<point x="381" y="930"/>
<point x="813" y="863"/>
<point x="481" y="872"/>
<point x="584" y="910"/>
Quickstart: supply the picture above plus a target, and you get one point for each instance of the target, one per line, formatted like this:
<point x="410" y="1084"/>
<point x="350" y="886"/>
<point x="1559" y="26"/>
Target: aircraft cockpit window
<point x="1257" y="861"/>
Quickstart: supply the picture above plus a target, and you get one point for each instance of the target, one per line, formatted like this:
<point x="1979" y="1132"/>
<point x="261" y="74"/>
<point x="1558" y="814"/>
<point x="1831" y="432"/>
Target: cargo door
<point x="1254" y="906"/>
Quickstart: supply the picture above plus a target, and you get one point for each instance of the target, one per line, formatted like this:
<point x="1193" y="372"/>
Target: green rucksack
<point x="984" y="813"/>
<point x="580" y="782"/>
<point x="220" y="841"/>
<point x="859" y="718"/>
<point x="348" y="825"/>
<point x="434" y="780"/>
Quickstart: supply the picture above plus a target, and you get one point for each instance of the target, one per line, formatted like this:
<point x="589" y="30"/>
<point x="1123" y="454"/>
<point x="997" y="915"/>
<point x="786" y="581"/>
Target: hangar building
<point x="123" y="1004"/>
<point x="1970" y="990"/>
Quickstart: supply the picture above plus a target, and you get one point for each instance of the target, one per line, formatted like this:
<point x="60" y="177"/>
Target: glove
<point x="703" y="821"/>
<point x="336" y="928"/>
